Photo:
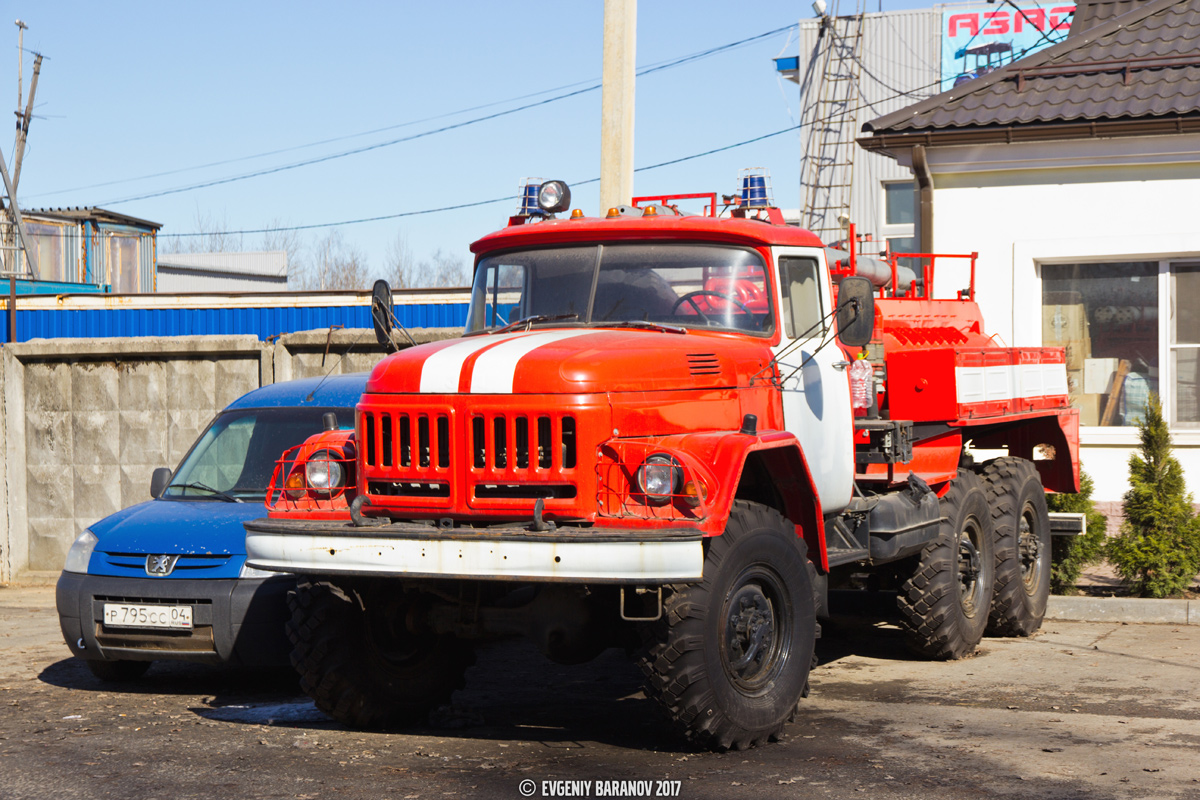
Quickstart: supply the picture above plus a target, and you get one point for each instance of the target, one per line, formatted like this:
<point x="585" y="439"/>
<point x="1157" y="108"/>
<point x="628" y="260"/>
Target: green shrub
<point x="1070" y="554"/>
<point x="1158" y="549"/>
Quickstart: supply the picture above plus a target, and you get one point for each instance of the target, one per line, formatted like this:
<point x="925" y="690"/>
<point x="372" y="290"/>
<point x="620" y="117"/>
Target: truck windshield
<point x="686" y="285"/>
<point x="234" y="458"/>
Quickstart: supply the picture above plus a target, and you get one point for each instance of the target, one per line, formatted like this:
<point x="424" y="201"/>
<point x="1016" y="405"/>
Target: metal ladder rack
<point x="830" y="116"/>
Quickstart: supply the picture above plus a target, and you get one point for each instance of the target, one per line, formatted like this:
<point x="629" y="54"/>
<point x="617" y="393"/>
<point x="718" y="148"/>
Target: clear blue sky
<point x="133" y="89"/>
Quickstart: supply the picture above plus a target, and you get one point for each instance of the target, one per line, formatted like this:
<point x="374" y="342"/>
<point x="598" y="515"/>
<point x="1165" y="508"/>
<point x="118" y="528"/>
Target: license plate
<point x="125" y="615"/>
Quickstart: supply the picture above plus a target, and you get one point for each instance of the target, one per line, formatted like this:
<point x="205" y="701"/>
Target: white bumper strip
<point x="494" y="370"/>
<point x="600" y="562"/>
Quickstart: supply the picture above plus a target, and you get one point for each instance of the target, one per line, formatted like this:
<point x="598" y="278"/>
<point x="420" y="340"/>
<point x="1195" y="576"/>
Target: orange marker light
<point x="577" y="214"/>
<point x="613" y="213"/>
<point x="651" y="211"/>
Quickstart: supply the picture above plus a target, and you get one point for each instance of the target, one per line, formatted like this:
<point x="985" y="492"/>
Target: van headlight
<point x="81" y="553"/>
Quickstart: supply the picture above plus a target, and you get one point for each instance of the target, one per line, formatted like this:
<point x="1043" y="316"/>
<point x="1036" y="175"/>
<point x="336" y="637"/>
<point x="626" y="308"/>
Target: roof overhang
<point x="890" y="143"/>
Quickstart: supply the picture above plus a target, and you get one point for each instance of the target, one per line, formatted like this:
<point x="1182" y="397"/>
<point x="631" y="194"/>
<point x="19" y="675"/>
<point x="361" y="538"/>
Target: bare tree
<point x="401" y="265"/>
<point x="212" y="236"/>
<point x="334" y="264"/>
<point x="440" y="270"/>
<point x="445" y="269"/>
<point x="290" y="242"/>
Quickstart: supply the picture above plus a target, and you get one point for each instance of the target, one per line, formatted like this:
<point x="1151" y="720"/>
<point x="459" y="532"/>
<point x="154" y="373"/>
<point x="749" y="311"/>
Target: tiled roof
<point x="1142" y="63"/>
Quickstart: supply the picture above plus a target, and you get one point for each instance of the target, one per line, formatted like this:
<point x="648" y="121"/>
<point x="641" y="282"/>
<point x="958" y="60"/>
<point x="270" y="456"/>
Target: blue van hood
<point x="183" y="527"/>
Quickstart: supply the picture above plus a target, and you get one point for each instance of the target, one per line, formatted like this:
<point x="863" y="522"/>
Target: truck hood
<point x="183" y="527"/>
<point x="572" y="361"/>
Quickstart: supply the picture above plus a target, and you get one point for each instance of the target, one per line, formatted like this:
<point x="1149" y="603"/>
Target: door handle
<point x="840" y="365"/>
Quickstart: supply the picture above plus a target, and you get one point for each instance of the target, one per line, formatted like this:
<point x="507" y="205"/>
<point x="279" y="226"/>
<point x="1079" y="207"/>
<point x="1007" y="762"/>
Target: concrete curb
<point x="1124" y="609"/>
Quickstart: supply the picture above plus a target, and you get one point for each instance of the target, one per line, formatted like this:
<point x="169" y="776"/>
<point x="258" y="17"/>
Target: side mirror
<point x="855" y="311"/>
<point x="381" y="312"/>
<point x="158" y="481"/>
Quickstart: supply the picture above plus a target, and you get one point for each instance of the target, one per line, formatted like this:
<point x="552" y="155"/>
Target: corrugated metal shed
<point x="900" y="63"/>
<point x="222" y="272"/>
<point x="1140" y="65"/>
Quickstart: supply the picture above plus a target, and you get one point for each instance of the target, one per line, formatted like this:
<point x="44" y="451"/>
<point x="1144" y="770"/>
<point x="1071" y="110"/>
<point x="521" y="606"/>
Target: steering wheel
<point x="690" y="298"/>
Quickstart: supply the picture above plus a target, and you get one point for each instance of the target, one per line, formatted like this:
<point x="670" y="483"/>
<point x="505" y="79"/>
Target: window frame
<point x="1122" y="435"/>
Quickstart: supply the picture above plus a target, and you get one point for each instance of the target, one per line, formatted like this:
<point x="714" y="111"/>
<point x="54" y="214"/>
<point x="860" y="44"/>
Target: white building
<point x="222" y="272"/>
<point x="1073" y="173"/>
<point x="902" y="57"/>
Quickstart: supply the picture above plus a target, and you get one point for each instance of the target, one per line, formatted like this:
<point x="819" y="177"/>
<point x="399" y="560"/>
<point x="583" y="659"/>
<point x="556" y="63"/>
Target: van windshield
<point x="687" y="285"/>
<point x="234" y="458"/>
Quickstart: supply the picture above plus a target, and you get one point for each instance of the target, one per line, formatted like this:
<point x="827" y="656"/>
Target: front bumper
<point x="237" y="621"/>
<point x="574" y="555"/>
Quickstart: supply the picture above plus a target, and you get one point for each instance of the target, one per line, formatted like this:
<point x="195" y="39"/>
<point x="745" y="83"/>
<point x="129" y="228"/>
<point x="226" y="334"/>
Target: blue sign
<point x="977" y="41"/>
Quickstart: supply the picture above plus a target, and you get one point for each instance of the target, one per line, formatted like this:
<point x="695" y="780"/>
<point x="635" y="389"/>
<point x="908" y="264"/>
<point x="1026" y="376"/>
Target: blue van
<point x="167" y="579"/>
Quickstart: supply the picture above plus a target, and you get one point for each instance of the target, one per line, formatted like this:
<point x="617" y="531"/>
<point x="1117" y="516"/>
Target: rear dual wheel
<point x="1022" y="529"/>
<point x="944" y="605"/>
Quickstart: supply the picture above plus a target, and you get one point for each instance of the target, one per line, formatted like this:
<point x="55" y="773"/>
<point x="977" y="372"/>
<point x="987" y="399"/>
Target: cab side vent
<point x="704" y="364"/>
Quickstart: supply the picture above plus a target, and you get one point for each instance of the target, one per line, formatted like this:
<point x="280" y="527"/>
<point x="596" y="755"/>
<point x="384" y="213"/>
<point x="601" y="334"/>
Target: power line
<point x="510" y="198"/>
<point x="669" y="64"/>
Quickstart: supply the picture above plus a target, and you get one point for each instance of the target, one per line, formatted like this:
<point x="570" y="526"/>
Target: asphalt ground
<point x="1081" y="710"/>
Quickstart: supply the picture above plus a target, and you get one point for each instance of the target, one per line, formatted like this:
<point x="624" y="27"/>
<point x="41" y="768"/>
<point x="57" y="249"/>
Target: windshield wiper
<point x="228" y="498"/>
<point x="535" y="318"/>
<point x="646" y="324"/>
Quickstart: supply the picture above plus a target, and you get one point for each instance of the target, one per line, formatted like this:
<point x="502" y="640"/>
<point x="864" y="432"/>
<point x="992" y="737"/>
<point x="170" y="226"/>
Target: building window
<point x="51" y="251"/>
<point x="1106" y="316"/>
<point x="898" y="203"/>
<point x="124" y="263"/>
<point x="898" y="220"/>
<point x="1184" y="326"/>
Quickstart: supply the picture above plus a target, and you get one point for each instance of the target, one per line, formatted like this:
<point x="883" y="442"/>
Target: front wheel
<point x="361" y="666"/>
<point x="944" y="604"/>
<point x="730" y="658"/>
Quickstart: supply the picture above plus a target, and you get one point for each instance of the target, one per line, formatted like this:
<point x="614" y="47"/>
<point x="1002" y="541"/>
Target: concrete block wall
<point x="86" y="422"/>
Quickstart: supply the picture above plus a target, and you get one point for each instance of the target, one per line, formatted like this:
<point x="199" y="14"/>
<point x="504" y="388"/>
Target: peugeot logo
<point x="160" y="566"/>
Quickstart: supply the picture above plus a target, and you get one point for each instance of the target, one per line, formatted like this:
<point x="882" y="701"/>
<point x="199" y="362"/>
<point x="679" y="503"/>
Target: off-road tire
<point x="359" y="665"/>
<point x="1022" y="534"/>
<point x="118" y="671"/>
<point x="944" y="604"/>
<point x="757" y="577"/>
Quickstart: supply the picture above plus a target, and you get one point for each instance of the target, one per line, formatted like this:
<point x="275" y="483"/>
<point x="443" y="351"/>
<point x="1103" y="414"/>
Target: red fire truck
<point x="672" y="433"/>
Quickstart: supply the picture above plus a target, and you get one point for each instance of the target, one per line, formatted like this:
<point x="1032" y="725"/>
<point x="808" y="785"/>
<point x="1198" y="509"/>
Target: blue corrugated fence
<point x="263" y="322"/>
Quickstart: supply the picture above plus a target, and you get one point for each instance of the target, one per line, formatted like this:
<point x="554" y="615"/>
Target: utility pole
<point x="23" y="122"/>
<point x="18" y="225"/>
<point x="616" y="104"/>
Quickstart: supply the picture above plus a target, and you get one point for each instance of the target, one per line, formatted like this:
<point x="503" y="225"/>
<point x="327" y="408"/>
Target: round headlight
<point x="323" y="473"/>
<point x="554" y="196"/>
<point x="659" y="477"/>
<point x="81" y="553"/>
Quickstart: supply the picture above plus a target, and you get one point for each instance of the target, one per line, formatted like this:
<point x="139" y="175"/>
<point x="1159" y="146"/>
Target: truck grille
<point x="407" y="440"/>
<point x="518" y="442"/>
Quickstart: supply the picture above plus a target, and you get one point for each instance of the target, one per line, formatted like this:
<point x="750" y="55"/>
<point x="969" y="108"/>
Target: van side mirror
<point x="158" y="481"/>
<point x="855" y="311"/>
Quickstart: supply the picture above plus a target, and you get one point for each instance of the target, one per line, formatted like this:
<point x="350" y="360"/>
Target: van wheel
<point x="118" y="671"/>
<point x="944" y="605"/>
<point x="729" y="659"/>
<point x="361" y="666"/>
<point x="1022" y="526"/>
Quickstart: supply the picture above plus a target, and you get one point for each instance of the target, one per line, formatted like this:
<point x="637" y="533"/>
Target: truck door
<point x="816" y="388"/>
